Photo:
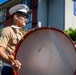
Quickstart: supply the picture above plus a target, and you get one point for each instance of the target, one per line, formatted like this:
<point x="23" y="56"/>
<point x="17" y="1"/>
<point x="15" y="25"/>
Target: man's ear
<point x="15" y="16"/>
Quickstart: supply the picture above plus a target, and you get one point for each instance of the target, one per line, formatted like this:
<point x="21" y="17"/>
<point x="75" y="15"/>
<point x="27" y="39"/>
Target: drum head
<point x="46" y="51"/>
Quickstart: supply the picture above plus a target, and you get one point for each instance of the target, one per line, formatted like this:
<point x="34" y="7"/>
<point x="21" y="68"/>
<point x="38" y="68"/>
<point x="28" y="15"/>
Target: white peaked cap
<point x="21" y="8"/>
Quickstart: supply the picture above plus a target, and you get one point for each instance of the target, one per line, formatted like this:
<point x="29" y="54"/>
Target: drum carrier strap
<point x="15" y="33"/>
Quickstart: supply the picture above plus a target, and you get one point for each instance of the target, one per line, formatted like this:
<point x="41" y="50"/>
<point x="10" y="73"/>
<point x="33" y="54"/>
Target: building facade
<point x="54" y="13"/>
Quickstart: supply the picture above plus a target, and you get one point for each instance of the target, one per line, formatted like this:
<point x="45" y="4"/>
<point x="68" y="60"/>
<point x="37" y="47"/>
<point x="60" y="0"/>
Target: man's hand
<point x="16" y="65"/>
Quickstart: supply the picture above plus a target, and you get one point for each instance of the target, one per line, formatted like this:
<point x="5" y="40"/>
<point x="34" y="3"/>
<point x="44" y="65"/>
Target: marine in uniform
<point x="10" y="36"/>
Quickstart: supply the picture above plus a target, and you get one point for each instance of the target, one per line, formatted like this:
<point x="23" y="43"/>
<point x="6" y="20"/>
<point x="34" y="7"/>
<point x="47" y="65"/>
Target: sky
<point x="2" y="1"/>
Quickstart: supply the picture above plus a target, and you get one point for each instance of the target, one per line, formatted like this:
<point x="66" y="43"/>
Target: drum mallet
<point x="11" y="57"/>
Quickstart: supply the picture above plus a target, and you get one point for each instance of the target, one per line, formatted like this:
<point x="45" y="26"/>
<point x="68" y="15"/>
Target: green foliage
<point x="72" y="33"/>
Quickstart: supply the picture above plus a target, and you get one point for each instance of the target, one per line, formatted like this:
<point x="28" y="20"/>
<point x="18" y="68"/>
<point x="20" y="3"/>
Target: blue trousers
<point x="6" y="70"/>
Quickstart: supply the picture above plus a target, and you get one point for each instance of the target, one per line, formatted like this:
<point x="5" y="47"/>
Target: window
<point x="2" y="14"/>
<point x="2" y="26"/>
<point x="75" y="7"/>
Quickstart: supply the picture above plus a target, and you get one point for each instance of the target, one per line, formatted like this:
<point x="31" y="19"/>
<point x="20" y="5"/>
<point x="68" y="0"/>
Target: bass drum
<point x="46" y="51"/>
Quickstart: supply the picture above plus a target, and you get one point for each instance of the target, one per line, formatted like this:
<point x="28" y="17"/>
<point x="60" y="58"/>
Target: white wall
<point x="70" y="18"/>
<point x="56" y="13"/>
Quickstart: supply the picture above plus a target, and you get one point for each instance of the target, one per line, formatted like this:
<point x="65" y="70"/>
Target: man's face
<point x="20" y="20"/>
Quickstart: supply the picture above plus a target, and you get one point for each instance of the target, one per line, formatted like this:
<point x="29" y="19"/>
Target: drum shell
<point x="39" y="53"/>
